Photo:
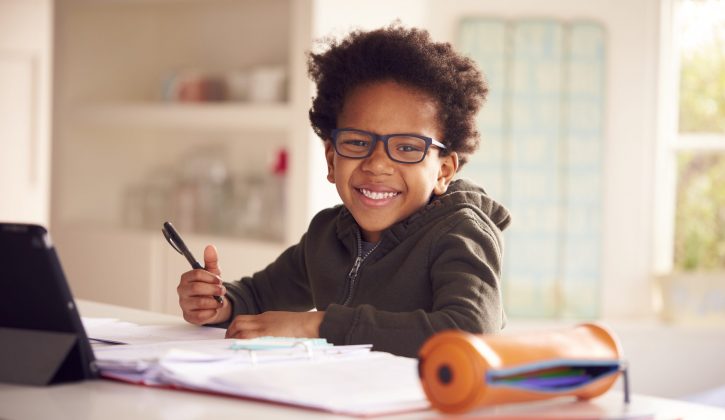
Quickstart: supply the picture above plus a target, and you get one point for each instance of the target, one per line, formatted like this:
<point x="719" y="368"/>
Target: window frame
<point x="670" y="141"/>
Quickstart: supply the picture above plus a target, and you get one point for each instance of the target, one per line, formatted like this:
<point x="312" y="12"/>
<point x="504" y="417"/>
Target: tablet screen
<point x="34" y="293"/>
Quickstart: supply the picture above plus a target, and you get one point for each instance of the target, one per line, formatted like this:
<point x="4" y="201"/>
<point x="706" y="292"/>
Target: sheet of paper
<point x="373" y="384"/>
<point x="140" y="357"/>
<point x="110" y="330"/>
<point x="97" y="322"/>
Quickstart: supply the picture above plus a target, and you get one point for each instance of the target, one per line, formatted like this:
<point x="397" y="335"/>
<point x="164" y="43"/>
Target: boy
<point x="411" y="251"/>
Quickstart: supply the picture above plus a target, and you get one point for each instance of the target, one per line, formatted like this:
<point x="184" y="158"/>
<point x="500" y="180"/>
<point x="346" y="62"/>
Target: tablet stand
<point x="34" y="357"/>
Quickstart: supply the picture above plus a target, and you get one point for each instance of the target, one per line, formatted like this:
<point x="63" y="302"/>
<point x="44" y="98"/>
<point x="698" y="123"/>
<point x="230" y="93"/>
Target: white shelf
<point x="203" y="116"/>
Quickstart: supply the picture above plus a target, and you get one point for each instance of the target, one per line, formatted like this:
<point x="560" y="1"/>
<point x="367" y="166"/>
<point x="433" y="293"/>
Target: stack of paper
<point x="304" y="372"/>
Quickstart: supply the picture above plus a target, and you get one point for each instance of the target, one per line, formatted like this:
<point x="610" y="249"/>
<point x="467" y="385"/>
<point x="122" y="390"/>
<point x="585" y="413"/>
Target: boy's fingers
<point x="242" y="333"/>
<point x="199" y="310"/>
<point x="199" y="317"/>
<point x="198" y="303"/>
<point x="200" y="275"/>
<point x="199" y="288"/>
<point x="211" y="260"/>
<point x="243" y="326"/>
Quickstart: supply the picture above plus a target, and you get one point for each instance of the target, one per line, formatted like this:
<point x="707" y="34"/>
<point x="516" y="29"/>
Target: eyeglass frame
<point x="429" y="141"/>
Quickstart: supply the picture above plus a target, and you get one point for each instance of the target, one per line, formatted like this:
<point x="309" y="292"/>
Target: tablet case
<point x="461" y="371"/>
<point x="43" y="340"/>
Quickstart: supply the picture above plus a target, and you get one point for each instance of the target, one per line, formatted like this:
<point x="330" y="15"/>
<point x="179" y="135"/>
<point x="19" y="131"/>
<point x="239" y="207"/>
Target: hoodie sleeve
<point x="465" y="269"/>
<point x="282" y="285"/>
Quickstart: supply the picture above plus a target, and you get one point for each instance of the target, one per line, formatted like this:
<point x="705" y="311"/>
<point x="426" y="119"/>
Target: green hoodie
<point x="438" y="269"/>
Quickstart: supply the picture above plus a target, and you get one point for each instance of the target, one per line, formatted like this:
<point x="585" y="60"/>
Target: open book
<point x="351" y="380"/>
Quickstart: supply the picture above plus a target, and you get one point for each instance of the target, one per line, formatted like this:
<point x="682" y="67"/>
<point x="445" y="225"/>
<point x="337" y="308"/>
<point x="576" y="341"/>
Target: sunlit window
<point x="699" y="243"/>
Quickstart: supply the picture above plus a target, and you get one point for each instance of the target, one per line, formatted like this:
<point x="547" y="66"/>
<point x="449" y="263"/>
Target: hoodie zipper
<point x="352" y="275"/>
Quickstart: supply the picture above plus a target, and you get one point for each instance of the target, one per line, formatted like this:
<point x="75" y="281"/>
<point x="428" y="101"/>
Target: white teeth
<point x="377" y="195"/>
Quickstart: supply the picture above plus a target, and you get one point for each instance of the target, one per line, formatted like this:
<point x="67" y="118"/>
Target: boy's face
<point x="377" y="190"/>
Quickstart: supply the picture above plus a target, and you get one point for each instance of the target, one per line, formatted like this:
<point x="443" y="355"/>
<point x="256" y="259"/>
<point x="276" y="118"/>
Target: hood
<point x="464" y="193"/>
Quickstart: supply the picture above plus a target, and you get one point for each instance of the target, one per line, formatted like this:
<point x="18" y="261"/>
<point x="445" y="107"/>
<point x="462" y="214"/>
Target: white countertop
<point x="103" y="399"/>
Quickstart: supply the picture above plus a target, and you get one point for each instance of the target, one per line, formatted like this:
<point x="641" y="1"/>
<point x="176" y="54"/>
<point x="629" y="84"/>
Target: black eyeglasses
<point x="403" y="148"/>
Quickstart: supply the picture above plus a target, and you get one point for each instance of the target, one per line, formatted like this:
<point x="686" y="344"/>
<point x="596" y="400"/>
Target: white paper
<point x="376" y="383"/>
<point x="341" y="379"/>
<point x="139" y="357"/>
<point x="111" y="330"/>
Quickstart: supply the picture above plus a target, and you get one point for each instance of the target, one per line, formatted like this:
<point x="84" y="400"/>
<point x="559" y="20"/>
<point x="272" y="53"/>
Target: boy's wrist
<point x="313" y="324"/>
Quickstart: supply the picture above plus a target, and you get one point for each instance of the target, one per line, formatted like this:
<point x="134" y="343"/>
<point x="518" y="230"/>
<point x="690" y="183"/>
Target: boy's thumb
<point x="211" y="260"/>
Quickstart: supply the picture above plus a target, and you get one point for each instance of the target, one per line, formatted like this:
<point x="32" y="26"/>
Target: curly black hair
<point x="407" y="56"/>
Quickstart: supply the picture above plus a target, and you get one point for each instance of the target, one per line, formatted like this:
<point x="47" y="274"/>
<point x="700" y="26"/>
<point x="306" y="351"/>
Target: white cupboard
<point x="184" y="110"/>
<point x="25" y="93"/>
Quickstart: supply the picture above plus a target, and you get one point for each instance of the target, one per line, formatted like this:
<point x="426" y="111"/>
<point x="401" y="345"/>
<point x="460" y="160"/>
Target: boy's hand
<point x="197" y="289"/>
<point x="276" y="323"/>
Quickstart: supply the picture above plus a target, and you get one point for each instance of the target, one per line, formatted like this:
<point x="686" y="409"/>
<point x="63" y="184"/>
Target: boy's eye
<point x="361" y="143"/>
<point x="407" y="148"/>
<point x="404" y="144"/>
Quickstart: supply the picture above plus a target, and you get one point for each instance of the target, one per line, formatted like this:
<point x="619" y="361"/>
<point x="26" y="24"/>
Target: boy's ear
<point x="330" y="158"/>
<point x="446" y="172"/>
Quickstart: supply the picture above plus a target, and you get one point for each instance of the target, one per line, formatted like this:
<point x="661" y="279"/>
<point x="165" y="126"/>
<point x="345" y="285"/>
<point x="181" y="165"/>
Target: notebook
<point x="310" y="373"/>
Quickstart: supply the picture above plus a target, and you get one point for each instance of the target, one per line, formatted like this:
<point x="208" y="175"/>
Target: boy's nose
<point x="378" y="162"/>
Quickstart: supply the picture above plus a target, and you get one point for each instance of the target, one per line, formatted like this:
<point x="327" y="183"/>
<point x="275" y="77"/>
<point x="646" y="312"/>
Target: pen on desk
<point x="174" y="239"/>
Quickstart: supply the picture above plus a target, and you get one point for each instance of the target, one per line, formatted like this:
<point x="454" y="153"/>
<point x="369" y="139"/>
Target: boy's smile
<point x="378" y="191"/>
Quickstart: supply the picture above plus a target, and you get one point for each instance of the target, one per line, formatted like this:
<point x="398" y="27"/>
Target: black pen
<point x="174" y="239"/>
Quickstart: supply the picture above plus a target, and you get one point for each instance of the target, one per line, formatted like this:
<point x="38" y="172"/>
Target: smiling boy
<point x="411" y="251"/>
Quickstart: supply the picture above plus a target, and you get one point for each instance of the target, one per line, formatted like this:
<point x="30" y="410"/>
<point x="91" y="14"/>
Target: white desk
<point x="102" y="399"/>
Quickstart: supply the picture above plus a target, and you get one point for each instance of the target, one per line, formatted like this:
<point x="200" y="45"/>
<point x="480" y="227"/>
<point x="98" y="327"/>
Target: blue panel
<point x="484" y="41"/>
<point x="534" y="85"/>
<point x="584" y="100"/>
<point x="541" y="157"/>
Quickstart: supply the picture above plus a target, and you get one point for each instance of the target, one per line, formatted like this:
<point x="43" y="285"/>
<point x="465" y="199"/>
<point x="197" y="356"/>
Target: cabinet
<point x="25" y="75"/>
<point x="136" y="144"/>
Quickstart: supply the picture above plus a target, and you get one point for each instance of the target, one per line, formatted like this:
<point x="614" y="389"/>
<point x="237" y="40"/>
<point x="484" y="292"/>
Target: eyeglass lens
<point x="402" y="148"/>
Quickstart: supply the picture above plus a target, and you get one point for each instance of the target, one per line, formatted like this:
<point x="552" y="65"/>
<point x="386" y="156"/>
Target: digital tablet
<point x="43" y="340"/>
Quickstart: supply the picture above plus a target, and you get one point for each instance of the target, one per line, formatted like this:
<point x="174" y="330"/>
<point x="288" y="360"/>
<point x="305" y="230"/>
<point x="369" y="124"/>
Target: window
<point x="699" y="145"/>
